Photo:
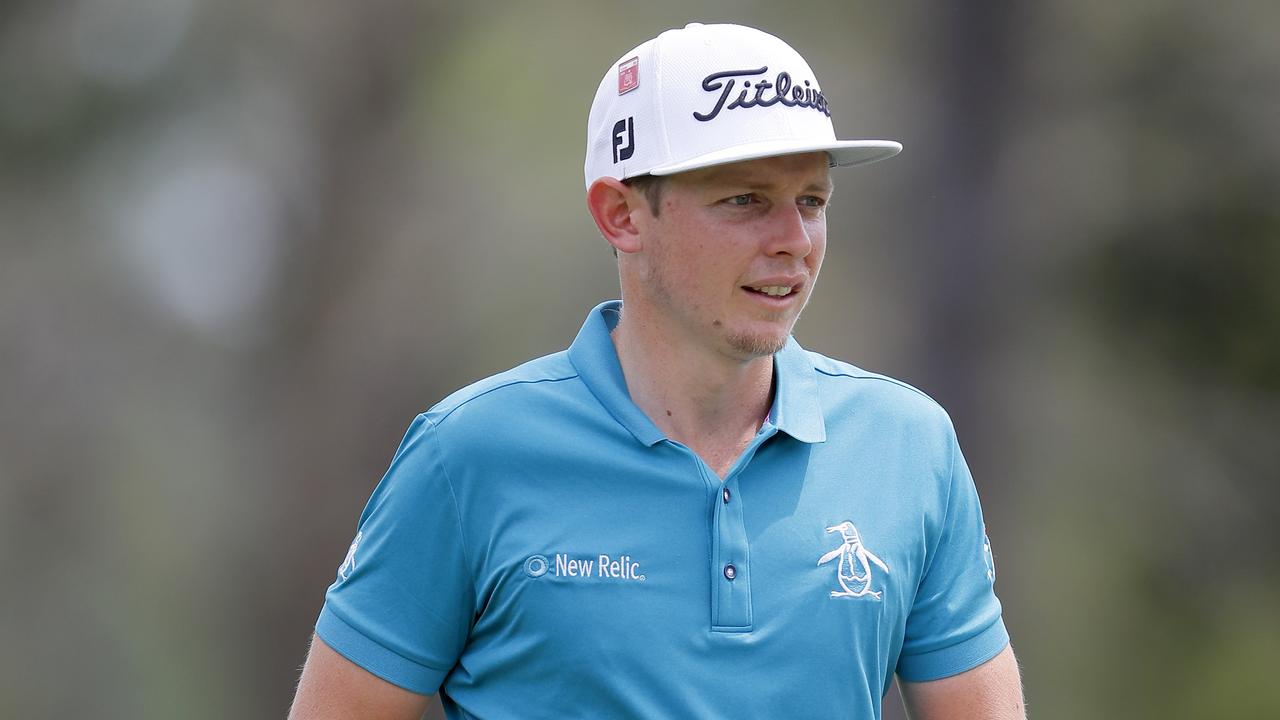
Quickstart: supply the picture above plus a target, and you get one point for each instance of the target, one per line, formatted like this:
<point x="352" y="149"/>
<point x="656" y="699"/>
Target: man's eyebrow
<point x="757" y="183"/>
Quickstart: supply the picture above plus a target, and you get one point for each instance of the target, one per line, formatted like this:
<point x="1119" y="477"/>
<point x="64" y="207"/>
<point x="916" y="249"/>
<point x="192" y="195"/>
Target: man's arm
<point x="991" y="691"/>
<point x="334" y="687"/>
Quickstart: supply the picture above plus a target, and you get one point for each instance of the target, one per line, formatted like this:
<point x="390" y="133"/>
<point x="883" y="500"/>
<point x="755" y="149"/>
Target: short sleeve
<point x="402" y="603"/>
<point x="955" y="622"/>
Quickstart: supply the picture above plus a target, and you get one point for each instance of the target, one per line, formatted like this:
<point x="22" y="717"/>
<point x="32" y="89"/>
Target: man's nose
<point x="790" y="232"/>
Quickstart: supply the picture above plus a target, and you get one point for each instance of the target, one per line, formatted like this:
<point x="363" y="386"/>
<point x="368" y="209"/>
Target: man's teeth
<point x="775" y="290"/>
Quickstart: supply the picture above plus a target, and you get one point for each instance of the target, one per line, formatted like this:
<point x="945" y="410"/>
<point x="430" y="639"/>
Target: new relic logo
<point x="605" y="567"/>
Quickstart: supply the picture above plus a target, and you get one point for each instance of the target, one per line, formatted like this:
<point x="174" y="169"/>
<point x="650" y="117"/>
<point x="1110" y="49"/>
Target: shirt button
<point x="730" y="572"/>
<point x="725" y="495"/>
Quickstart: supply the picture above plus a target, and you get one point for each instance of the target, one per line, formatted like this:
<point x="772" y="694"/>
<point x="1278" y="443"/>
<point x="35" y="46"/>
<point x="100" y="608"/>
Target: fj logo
<point x="624" y="140"/>
<point x="853" y="572"/>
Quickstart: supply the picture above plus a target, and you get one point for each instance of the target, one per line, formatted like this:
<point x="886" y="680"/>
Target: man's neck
<point x="711" y="402"/>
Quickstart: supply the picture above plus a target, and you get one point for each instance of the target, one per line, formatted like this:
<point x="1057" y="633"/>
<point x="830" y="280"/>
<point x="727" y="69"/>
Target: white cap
<point x="707" y="95"/>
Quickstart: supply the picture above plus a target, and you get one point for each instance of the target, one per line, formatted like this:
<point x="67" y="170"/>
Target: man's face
<point x="733" y="255"/>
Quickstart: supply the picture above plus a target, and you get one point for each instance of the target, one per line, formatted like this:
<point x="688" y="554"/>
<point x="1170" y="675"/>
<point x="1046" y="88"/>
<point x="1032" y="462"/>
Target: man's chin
<point x="755" y="345"/>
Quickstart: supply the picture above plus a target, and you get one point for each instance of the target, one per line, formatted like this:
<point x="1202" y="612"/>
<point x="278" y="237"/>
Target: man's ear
<point x="613" y="206"/>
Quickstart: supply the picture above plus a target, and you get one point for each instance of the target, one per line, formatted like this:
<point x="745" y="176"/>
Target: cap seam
<point x="658" y="79"/>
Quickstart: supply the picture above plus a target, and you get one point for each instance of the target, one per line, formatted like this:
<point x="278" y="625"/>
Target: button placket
<point x="731" y="555"/>
<point x="732" y="579"/>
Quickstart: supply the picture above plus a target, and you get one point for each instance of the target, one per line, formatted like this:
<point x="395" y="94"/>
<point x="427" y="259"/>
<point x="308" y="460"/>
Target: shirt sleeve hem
<point x="953" y="660"/>
<point x="373" y="657"/>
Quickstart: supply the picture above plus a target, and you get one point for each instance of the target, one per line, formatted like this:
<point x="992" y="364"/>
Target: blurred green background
<point x="242" y="244"/>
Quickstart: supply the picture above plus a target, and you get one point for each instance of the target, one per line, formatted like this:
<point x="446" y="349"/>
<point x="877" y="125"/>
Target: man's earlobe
<point x="612" y="204"/>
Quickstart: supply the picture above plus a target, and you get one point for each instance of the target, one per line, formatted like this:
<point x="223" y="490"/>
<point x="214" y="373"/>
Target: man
<point x="685" y="514"/>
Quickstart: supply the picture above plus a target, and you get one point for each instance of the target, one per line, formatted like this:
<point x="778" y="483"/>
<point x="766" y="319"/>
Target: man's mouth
<point x="771" y="290"/>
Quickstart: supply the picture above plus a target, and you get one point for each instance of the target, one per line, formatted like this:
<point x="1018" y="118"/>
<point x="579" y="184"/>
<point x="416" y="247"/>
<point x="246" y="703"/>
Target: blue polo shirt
<point x="538" y="548"/>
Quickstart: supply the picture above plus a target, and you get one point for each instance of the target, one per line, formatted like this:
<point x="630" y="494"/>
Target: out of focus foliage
<point x="241" y="245"/>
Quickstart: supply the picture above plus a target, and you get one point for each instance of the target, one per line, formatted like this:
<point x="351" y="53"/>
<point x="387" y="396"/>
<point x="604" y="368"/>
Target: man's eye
<point x="812" y="201"/>
<point x="740" y="199"/>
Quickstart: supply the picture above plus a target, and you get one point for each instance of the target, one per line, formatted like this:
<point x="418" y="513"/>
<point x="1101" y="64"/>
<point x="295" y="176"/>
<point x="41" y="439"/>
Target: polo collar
<point x="796" y="409"/>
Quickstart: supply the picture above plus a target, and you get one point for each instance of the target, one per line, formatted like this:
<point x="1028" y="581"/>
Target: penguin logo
<point x="854" y="569"/>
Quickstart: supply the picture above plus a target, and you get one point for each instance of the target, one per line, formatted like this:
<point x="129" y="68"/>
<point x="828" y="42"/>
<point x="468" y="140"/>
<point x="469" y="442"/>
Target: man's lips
<point x="778" y="287"/>
<point x="773" y="290"/>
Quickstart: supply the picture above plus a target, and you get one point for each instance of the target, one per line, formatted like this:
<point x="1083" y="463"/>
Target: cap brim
<point x="843" y="153"/>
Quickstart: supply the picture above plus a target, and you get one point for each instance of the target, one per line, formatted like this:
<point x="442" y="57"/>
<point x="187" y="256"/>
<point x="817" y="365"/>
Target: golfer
<point x="685" y="514"/>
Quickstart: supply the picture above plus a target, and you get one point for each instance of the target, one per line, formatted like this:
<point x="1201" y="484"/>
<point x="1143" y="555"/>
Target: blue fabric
<point x="538" y="548"/>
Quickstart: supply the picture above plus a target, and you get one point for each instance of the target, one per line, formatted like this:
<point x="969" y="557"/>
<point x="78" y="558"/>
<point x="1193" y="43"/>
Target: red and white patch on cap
<point x="629" y="75"/>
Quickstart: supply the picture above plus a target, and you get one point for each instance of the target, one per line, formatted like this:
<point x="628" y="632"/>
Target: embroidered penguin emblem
<point x="854" y="569"/>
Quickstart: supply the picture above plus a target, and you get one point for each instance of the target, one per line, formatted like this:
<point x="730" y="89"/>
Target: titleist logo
<point x="781" y="91"/>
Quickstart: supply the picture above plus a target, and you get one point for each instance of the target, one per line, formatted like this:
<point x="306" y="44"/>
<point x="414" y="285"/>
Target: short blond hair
<point x="651" y="187"/>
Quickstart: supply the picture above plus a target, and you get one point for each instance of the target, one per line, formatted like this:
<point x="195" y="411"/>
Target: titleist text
<point x="762" y="93"/>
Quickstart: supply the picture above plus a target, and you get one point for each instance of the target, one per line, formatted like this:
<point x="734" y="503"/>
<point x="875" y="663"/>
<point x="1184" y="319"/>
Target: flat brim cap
<point x="708" y="95"/>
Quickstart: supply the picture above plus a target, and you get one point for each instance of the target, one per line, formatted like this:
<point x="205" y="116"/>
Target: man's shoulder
<point x="842" y="382"/>
<point x="506" y="392"/>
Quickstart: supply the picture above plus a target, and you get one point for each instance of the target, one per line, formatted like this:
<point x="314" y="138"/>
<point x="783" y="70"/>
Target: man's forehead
<point x="812" y="168"/>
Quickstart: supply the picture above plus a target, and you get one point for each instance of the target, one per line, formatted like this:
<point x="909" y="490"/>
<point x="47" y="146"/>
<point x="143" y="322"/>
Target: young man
<point x="685" y="514"/>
